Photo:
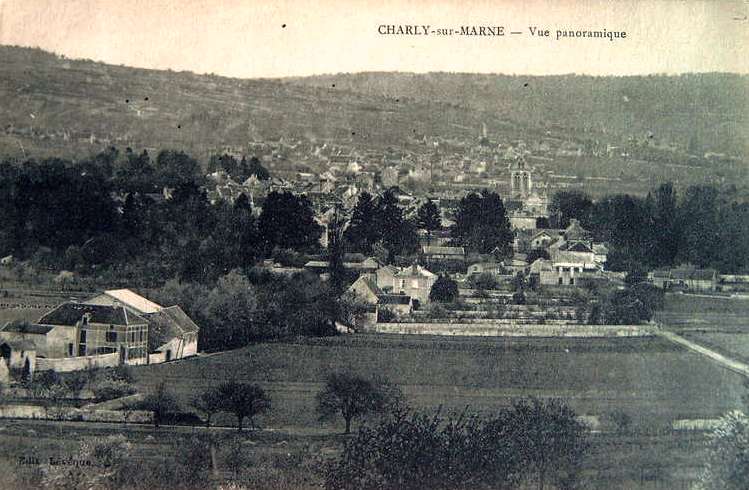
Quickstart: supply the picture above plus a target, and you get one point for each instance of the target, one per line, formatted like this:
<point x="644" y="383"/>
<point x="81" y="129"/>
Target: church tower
<point x="521" y="182"/>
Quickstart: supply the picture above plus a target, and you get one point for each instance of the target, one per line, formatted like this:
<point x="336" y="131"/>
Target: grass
<point x="735" y="345"/>
<point x="716" y="314"/>
<point x="650" y="379"/>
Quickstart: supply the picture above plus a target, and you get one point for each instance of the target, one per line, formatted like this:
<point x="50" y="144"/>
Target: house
<point x="102" y="329"/>
<point x="414" y="281"/>
<point x="365" y="288"/>
<point x="49" y="341"/>
<point x="543" y="238"/>
<point x="434" y="254"/>
<point x="400" y="304"/>
<point x="685" y="277"/>
<point x="172" y="333"/>
<point x="162" y="321"/>
<point x="494" y="268"/>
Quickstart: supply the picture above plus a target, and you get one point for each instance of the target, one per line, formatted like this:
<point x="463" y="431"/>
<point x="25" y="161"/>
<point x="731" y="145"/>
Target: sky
<point x="277" y="38"/>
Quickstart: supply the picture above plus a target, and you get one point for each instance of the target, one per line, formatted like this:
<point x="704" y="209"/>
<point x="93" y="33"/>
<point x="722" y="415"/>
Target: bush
<point x="532" y="442"/>
<point x="518" y="298"/>
<point x="485" y="281"/>
<point x="386" y="315"/>
<point x="444" y="290"/>
<point x="109" y="389"/>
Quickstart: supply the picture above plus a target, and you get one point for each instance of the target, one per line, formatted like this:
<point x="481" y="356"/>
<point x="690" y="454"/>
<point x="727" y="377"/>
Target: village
<point x="376" y="280"/>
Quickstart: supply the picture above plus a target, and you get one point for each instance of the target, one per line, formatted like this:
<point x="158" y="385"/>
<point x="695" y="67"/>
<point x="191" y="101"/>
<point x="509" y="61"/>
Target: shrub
<point x="109" y="389"/>
<point x="444" y="290"/>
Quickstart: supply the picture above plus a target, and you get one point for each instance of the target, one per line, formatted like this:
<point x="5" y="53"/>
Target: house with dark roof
<point x="685" y="277"/>
<point x="162" y="322"/>
<point x="400" y="304"/>
<point x="435" y="254"/>
<point x="101" y="329"/>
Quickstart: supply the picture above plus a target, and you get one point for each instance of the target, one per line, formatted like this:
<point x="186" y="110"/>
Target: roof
<point x="540" y="265"/>
<point x="544" y="232"/>
<point x="22" y="344"/>
<point x="70" y="313"/>
<point x="369" y="283"/>
<point x="394" y="299"/>
<point x="27" y="328"/>
<point x="576" y="247"/>
<point x="167" y="324"/>
<point x="133" y="300"/>
<point x="435" y="250"/>
<point x="414" y="270"/>
<point x="686" y="273"/>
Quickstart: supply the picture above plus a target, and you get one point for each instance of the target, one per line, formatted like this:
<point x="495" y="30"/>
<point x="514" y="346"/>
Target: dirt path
<point x="732" y="364"/>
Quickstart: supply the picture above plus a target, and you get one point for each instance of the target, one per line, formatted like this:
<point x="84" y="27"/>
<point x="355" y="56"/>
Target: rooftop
<point x="28" y="328"/>
<point x="70" y="313"/>
<point x="133" y="300"/>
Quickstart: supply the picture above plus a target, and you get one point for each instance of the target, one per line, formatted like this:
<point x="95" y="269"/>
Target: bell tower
<point x="521" y="182"/>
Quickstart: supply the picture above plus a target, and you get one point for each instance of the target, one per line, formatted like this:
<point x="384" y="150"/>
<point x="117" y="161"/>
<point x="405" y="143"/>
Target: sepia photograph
<point x="396" y="244"/>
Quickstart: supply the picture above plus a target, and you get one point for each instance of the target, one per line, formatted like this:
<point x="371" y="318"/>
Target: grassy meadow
<point x="650" y="379"/>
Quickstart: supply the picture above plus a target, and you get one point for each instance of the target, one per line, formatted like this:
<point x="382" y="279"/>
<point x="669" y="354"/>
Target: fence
<point x="67" y="364"/>
<point x="537" y="330"/>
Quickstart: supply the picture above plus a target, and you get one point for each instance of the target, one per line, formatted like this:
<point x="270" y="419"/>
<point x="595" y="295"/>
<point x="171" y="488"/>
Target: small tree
<point x="244" y="400"/>
<point x="353" y="396"/>
<point x="550" y="440"/>
<point x="160" y="402"/>
<point x="537" y="253"/>
<point x="444" y="290"/>
<point x="636" y="275"/>
<point x="208" y="403"/>
<point x="727" y="465"/>
<point x="484" y="281"/>
<point x="428" y="218"/>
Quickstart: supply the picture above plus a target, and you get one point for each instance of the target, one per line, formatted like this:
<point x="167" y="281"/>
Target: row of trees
<point x="705" y="226"/>
<point x="531" y="442"/>
<point x="481" y="224"/>
<point x="242" y="308"/>
<point x="67" y="215"/>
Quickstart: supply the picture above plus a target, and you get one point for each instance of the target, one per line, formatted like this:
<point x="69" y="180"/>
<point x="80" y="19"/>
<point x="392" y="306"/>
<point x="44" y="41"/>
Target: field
<point x="716" y="314"/>
<point x="721" y="324"/>
<point x="652" y="380"/>
<point x="649" y="378"/>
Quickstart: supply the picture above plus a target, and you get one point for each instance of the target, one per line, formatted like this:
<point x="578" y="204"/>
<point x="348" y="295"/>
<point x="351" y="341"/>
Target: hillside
<point x="53" y="106"/>
<point x="710" y="112"/>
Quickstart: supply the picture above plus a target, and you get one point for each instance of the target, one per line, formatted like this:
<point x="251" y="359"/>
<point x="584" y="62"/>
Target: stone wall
<point x="503" y="330"/>
<point x="68" y="364"/>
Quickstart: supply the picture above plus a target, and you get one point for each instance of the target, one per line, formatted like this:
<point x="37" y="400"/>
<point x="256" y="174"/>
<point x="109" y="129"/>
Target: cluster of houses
<point x="118" y="326"/>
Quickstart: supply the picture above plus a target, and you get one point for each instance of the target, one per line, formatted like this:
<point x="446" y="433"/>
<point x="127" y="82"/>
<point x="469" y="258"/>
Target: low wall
<point x="71" y="413"/>
<point x="695" y="424"/>
<point x="157" y="358"/>
<point x="484" y="330"/>
<point x="67" y="364"/>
